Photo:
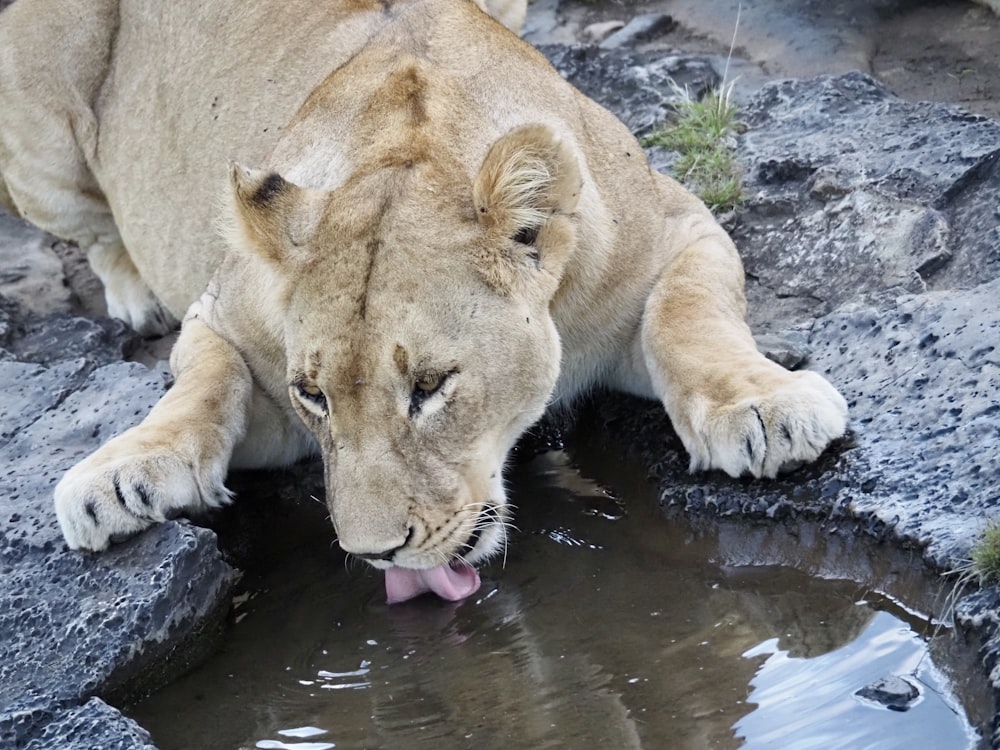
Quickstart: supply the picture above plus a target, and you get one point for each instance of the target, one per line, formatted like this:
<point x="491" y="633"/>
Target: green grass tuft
<point x="701" y="134"/>
<point x="982" y="569"/>
<point x="986" y="555"/>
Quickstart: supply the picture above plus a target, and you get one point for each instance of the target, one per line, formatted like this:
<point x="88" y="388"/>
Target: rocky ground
<point x="871" y="237"/>
<point x="929" y="50"/>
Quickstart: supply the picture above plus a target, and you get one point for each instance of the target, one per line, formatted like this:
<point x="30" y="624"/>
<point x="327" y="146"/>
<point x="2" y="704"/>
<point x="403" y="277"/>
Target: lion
<point x="436" y="239"/>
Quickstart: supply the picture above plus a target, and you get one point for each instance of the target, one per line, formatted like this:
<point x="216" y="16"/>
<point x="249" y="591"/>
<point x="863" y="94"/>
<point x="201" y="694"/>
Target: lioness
<point x="440" y="238"/>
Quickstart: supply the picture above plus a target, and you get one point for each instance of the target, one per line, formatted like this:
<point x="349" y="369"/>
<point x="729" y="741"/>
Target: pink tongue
<point x="451" y="582"/>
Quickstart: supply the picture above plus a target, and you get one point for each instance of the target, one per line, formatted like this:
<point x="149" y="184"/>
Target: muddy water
<point x="608" y="626"/>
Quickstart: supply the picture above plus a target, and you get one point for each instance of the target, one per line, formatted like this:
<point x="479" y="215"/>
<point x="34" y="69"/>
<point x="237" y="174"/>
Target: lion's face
<point x="418" y="337"/>
<point x="416" y="388"/>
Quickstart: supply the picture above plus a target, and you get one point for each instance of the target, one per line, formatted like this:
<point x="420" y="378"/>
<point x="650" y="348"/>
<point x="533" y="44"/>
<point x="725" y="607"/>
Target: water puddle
<point x="609" y="627"/>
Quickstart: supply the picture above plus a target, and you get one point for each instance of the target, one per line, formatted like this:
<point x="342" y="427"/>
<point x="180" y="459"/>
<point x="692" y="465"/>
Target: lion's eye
<point x="311" y="395"/>
<point x="429" y="383"/>
<point x="426" y="386"/>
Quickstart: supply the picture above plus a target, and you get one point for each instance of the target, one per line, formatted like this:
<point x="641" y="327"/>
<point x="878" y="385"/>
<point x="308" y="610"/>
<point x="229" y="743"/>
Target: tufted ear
<point x="270" y="215"/>
<point x="526" y="190"/>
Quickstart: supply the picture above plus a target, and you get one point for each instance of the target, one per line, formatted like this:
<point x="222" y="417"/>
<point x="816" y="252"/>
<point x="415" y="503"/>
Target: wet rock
<point x="95" y="724"/>
<point x="789" y="349"/>
<point x="855" y="196"/>
<point x="640" y="29"/>
<point x="640" y="88"/>
<point x="597" y="32"/>
<point x="894" y="692"/>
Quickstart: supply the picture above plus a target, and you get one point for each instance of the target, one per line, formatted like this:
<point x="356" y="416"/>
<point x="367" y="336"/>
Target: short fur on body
<point x="435" y="238"/>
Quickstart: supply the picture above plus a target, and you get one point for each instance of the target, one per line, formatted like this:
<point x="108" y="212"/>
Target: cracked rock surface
<point x="72" y="625"/>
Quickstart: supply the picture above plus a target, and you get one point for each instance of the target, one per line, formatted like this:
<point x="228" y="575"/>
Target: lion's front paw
<point x="129" y="299"/>
<point x="791" y="420"/>
<point x="111" y="495"/>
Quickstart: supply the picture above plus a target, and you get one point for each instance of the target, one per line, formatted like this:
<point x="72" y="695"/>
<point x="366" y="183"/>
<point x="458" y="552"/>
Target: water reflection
<point x="804" y="703"/>
<point x="609" y="627"/>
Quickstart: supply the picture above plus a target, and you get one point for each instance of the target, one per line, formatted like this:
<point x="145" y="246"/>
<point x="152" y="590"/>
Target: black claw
<point x="91" y="511"/>
<point x="118" y="493"/>
<point x="786" y="433"/>
<point x="143" y="493"/>
<point x="763" y="429"/>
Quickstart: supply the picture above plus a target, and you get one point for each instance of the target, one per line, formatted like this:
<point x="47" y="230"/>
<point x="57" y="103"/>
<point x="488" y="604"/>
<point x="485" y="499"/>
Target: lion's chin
<point x="454" y="581"/>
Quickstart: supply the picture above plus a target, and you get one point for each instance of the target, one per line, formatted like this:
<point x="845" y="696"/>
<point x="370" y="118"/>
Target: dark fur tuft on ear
<point x="270" y="189"/>
<point x="270" y="215"/>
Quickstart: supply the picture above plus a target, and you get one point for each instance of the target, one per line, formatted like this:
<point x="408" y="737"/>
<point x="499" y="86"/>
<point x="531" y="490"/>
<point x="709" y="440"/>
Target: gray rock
<point x="789" y="349"/>
<point x="855" y="196"/>
<point x="544" y="24"/>
<point x="47" y="339"/>
<point x="74" y="625"/>
<point x="922" y="379"/>
<point x="640" y="29"/>
<point x="93" y="725"/>
<point x="894" y="692"/>
<point x="30" y="272"/>
<point x="640" y="88"/>
<point x="598" y="32"/>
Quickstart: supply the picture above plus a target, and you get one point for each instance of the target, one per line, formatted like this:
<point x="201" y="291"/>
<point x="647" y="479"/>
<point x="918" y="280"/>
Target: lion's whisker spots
<point x="442" y="556"/>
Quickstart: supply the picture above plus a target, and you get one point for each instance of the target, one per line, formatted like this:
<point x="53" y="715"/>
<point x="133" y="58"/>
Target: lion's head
<point x="418" y="337"/>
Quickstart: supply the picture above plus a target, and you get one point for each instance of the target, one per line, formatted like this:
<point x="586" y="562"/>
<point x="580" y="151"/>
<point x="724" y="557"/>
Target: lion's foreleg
<point x="129" y="298"/>
<point x="175" y="460"/>
<point x="734" y="409"/>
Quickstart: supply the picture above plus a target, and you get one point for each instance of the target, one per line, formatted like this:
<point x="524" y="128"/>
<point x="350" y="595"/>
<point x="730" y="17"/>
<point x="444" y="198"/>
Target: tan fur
<point x="438" y="237"/>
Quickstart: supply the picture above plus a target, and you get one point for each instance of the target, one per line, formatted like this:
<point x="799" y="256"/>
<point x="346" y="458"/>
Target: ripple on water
<point x="604" y="630"/>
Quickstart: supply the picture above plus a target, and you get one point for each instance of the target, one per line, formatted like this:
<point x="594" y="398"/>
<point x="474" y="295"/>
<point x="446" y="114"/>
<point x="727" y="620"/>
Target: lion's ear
<point x="270" y="215"/>
<point x="526" y="190"/>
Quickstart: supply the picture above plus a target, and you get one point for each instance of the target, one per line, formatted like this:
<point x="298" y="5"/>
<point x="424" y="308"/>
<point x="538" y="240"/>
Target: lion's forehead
<point x="378" y="294"/>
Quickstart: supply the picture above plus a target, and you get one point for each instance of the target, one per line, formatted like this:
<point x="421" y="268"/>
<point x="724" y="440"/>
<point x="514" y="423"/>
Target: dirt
<point x="936" y="51"/>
